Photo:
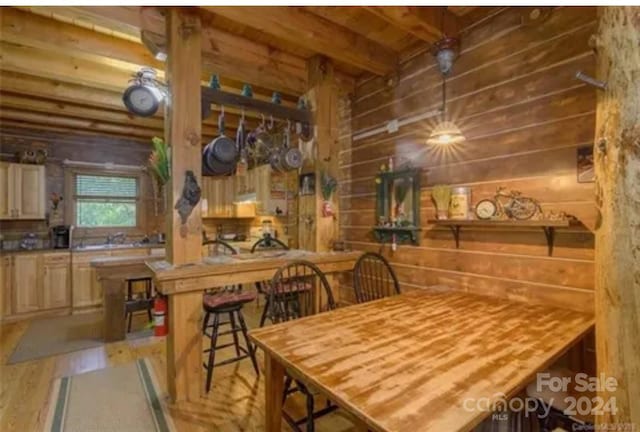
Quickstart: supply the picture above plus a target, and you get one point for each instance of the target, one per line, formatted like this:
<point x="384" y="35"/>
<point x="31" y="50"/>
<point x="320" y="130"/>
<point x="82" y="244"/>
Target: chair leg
<point x="129" y="325"/>
<point x="212" y="350"/>
<point x="250" y="347"/>
<point x="263" y="318"/>
<point x="310" y="407"/>
<point x="234" y="329"/>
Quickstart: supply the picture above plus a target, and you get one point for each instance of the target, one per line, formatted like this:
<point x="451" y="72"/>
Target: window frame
<point x="71" y="203"/>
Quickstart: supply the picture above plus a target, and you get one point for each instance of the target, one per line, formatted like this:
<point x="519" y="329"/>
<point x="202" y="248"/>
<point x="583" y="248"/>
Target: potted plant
<point x="160" y="165"/>
<point x="328" y="185"/>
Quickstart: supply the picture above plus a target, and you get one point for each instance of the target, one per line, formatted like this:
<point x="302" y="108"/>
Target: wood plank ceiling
<point x="63" y="69"/>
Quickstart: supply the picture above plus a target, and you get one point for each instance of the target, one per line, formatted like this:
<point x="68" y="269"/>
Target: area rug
<point x="120" y="398"/>
<point x="49" y="337"/>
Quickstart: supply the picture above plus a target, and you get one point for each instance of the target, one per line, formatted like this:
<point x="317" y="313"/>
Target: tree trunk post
<point x="617" y="166"/>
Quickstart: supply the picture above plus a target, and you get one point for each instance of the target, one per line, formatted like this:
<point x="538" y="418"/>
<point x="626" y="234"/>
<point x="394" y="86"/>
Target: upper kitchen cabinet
<point x="22" y="191"/>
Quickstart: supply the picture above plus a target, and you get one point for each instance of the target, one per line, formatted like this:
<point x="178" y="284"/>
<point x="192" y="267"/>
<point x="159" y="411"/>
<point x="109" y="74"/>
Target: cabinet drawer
<point x="57" y="258"/>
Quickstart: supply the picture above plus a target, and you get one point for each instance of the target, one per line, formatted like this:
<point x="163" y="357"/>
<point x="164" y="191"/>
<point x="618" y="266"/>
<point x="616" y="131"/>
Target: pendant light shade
<point x="445" y="133"/>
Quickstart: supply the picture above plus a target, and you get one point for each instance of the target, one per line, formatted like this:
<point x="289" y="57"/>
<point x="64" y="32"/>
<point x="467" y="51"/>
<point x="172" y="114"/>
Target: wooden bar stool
<point x="266" y="243"/>
<point x="134" y="303"/>
<point x="227" y="301"/>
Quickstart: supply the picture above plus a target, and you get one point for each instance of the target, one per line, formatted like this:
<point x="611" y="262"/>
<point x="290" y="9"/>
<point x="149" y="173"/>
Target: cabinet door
<point x="82" y="285"/>
<point x="6" y="275"/>
<point x="30" y="191"/>
<point x="263" y="188"/>
<point x="56" y="286"/>
<point x="26" y="283"/>
<point x="6" y="191"/>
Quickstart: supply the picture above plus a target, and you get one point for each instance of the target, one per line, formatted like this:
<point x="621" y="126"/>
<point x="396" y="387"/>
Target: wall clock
<point x="142" y="100"/>
<point x="486" y="209"/>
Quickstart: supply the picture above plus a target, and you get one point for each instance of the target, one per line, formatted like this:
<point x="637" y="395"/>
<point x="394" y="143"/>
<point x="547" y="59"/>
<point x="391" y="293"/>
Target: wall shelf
<point x="548" y="226"/>
<point x="403" y="234"/>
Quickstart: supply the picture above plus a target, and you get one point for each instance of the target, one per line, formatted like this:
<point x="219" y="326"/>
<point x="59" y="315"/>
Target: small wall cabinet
<point x="22" y="191"/>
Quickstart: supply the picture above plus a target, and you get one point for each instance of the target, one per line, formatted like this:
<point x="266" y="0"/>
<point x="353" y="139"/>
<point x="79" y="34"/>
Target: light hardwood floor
<point x="235" y="403"/>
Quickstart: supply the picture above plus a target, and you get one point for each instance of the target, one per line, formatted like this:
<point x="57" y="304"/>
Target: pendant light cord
<point x="444" y="97"/>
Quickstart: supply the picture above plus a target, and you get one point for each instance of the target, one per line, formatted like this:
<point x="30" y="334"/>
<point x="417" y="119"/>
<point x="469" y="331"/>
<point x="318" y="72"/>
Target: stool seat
<point x="213" y="301"/>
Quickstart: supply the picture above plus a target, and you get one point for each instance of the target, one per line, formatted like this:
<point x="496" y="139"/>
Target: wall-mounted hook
<point x="590" y="80"/>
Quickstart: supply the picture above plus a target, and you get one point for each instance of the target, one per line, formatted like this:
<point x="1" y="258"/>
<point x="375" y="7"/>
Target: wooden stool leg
<point x="263" y="317"/>
<point x="212" y="350"/>
<point x="148" y="294"/>
<point x="234" y="329"/>
<point x="251" y="349"/>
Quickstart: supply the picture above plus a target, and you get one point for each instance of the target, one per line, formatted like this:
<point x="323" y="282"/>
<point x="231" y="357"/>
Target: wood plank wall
<point x="514" y="95"/>
<point x="77" y="148"/>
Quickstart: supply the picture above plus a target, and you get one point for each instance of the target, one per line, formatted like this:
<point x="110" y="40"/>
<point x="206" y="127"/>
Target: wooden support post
<point x="323" y="97"/>
<point x="617" y="164"/>
<point x="184" y="240"/>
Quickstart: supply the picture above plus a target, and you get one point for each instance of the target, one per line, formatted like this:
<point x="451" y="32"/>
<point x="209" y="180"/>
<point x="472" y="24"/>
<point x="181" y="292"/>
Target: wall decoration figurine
<point x="586" y="170"/>
<point x="190" y="197"/>
<point x="307" y="184"/>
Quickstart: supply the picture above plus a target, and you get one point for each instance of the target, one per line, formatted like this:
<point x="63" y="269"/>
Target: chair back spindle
<point x="298" y="289"/>
<point x="374" y="278"/>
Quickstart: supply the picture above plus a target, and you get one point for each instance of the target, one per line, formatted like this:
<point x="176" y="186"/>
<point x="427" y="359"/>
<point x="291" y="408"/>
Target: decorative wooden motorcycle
<point x="508" y="205"/>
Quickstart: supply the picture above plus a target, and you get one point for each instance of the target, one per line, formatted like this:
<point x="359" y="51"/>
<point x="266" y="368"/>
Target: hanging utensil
<point x="291" y="158"/>
<point x="220" y="156"/>
<point x="241" y="167"/>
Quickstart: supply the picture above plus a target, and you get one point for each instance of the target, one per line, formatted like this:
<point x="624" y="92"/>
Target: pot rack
<point x="219" y="97"/>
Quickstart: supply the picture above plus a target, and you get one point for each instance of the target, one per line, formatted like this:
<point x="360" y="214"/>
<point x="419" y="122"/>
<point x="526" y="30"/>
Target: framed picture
<point x="307" y="184"/>
<point x="586" y="171"/>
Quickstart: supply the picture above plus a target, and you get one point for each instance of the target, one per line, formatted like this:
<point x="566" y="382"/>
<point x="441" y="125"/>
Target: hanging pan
<point x="220" y="156"/>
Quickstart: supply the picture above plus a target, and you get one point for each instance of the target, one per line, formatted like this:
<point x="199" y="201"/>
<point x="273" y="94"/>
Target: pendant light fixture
<point x="445" y="50"/>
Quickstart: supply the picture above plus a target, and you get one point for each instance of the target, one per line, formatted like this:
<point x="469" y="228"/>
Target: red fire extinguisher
<point x="160" y="323"/>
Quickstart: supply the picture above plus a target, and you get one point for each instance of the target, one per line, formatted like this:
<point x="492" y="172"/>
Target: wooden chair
<point x="269" y="243"/>
<point x="137" y="302"/>
<point x="373" y="278"/>
<point x="300" y="289"/>
<point x="228" y="301"/>
<point x="266" y="243"/>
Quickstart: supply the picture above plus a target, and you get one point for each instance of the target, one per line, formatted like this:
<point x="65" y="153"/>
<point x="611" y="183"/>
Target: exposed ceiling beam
<point x="118" y="117"/>
<point x="256" y="67"/>
<point x="424" y="22"/>
<point x="14" y="126"/>
<point x="51" y="119"/>
<point x="315" y="33"/>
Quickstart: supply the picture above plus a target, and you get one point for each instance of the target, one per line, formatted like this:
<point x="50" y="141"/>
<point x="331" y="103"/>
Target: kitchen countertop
<point x="90" y="248"/>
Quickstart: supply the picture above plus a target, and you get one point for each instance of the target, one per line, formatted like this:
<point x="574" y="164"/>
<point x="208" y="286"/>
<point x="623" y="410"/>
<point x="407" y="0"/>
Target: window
<point x="105" y="201"/>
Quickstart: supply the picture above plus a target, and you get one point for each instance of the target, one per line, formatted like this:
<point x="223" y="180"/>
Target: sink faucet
<point x="116" y="238"/>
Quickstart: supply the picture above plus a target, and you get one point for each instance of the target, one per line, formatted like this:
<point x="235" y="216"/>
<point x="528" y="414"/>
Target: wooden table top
<point x="408" y="362"/>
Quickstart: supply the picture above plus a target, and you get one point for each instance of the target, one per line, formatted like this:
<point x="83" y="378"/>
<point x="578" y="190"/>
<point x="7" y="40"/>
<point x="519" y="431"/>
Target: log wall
<point x="514" y="95"/>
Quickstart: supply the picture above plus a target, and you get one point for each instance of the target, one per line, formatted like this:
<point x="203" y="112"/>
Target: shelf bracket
<point x="455" y="229"/>
<point x="550" y="234"/>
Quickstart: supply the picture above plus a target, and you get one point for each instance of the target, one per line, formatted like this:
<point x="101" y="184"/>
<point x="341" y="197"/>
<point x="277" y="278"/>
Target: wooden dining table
<point x="420" y="360"/>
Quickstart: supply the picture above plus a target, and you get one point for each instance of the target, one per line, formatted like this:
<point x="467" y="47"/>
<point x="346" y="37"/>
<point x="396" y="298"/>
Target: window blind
<point x="103" y="186"/>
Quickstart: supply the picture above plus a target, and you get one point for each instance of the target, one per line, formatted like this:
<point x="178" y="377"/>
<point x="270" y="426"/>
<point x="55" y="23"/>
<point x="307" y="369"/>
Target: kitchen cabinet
<point x="56" y="286"/>
<point x="220" y="194"/>
<point x="22" y="191"/>
<point x="27" y="285"/>
<point x="6" y="276"/>
<point x="87" y="290"/>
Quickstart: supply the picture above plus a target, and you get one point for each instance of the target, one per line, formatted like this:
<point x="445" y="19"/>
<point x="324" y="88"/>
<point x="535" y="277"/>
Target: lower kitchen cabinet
<point x="34" y="282"/>
<point x="56" y="281"/>
<point x="27" y="286"/>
